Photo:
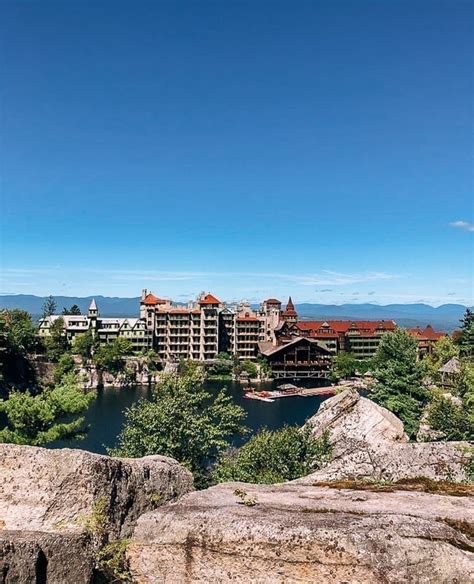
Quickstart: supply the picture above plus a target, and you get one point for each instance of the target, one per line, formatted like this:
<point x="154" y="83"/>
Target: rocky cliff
<point x="363" y="519"/>
<point x="59" y="507"/>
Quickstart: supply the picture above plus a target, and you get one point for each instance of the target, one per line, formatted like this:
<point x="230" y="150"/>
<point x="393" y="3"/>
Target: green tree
<point x="451" y="418"/>
<point x="49" y="307"/>
<point x="345" y="365"/>
<point x="399" y="377"/>
<point x="21" y="331"/>
<point x="54" y="414"/>
<point x="222" y="369"/>
<point x="183" y="421"/>
<point x="17" y="339"/>
<point x="56" y="343"/>
<point x="73" y="311"/>
<point x="64" y="366"/>
<point x="85" y="345"/>
<point x="275" y="457"/>
<point x="466" y="337"/>
<point x="248" y="367"/>
<point x="443" y="350"/>
<point x="110" y="357"/>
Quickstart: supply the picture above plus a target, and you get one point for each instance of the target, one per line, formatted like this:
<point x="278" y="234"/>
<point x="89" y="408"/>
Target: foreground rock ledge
<point x="55" y="506"/>
<point x="305" y="534"/>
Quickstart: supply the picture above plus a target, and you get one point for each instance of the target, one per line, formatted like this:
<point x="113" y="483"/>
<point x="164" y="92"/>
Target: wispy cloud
<point x="465" y="225"/>
<point x="325" y="277"/>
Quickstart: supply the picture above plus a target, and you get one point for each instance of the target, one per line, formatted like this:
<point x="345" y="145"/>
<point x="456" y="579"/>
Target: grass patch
<point x="420" y="484"/>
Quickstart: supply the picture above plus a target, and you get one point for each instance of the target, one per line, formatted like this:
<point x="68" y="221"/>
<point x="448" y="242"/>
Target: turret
<point x="93" y="310"/>
<point x="290" y="314"/>
<point x="92" y="314"/>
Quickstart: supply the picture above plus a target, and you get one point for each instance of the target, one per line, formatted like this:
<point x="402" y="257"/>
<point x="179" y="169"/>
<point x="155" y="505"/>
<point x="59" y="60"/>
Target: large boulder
<point x="57" y="507"/>
<point x="352" y="420"/>
<point x="294" y="533"/>
<point x="369" y="443"/>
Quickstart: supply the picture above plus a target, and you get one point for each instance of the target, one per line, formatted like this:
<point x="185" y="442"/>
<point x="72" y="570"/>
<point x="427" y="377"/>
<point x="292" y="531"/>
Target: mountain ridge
<point x="444" y="317"/>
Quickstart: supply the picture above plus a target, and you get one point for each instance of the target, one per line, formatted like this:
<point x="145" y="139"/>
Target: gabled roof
<point x="152" y="300"/>
<point x="267" y="349"/>
<point x="426" y="334"/>
<point x="452" y="366"/>
<point x="209" y="299"/>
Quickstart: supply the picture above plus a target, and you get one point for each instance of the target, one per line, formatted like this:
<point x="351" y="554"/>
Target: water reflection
<point x="105" y="415"/>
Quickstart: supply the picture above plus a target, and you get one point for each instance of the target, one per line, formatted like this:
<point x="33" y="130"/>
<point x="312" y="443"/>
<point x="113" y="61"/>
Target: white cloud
<point x="463" y="225"/>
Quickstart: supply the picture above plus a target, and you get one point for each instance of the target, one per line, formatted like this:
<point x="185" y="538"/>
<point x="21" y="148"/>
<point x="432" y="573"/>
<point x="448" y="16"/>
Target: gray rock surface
<point x="63" y="503"/>
<point x="369" y="443"/>
<point x="298" y="533"/>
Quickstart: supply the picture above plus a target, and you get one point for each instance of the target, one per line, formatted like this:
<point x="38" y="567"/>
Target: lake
<point x="105" y="415"/>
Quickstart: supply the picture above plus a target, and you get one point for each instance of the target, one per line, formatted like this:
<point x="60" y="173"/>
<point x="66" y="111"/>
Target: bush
<point x="110" y="357"/>
<point x="275" y="457"/>
<point x="182" y="421"/>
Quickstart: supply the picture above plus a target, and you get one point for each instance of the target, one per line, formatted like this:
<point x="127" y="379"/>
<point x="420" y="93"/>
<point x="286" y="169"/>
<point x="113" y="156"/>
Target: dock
<point x="270" y="396"/>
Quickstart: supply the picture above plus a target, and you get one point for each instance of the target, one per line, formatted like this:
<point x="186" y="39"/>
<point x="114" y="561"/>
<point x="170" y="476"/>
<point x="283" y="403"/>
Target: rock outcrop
<point x="136" y="373"/>
<point x="57" y="507"/>
<point x="296" y="533"/>
<point x="369" y="443"/>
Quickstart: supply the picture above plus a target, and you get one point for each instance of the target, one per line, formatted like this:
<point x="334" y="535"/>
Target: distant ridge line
<point x="444" y="317"/>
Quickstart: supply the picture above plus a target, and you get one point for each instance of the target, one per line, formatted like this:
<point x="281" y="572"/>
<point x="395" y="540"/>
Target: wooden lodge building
<point x="300" y="357"/>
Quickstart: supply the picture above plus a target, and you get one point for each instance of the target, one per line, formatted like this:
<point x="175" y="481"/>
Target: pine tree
<point x="466" y="338"/>
<point x="399" y="375"/>
<point x="49" y="306"/>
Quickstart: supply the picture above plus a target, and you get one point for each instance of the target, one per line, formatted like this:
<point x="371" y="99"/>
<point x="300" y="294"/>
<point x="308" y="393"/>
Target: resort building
<point x="201" y="329"/>
<point x="204" y="328"/>
<point x="105" y="329"/>
<point x="361" y="338"/>
<point x="426" y="338"/>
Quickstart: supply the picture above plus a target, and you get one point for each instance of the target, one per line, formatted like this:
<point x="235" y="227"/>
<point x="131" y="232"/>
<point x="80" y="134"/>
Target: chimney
<point x="144" y="291"/>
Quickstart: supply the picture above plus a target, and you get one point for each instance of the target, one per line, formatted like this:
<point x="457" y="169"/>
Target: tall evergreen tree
<point x="399" y="375"/>
<point x="466" y="338"/>
<point x="49" y="306"/>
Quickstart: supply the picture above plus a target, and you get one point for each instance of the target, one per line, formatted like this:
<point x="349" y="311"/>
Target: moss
<point x="421" y="484"/>
<point x="156" y="498"/>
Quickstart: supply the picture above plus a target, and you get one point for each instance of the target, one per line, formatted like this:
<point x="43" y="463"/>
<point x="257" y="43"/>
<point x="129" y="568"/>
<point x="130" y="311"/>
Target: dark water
<point x="105" y="415"/>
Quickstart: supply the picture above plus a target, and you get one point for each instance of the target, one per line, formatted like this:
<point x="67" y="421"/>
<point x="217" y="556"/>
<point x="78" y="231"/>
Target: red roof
<point x="272" y="301"/>
<point x="428" y="334"/>
<point x="152" y="300"/>
<point x="370" y="327"/>
<point x="209" y="299"/>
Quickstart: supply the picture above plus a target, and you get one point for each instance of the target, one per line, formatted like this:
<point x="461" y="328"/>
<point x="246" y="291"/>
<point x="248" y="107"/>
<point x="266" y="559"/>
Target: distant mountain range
<point x="445" y="317"/>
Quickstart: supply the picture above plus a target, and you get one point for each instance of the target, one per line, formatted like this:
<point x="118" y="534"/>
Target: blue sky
<point x="319" y="149"/>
